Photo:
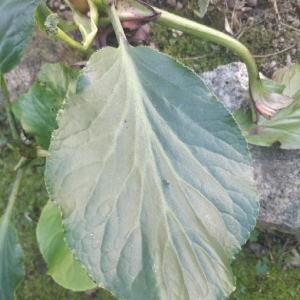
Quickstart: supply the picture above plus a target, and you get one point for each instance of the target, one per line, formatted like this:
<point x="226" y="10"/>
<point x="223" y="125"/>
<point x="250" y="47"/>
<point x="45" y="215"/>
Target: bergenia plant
<point x="149" y="176"/>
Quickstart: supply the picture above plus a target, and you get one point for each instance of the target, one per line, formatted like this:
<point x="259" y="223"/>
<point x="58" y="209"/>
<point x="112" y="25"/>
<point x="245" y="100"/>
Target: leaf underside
<point x="62" y="265"/>
<point x="11" y="257"/>
<point x="153" y="177"/>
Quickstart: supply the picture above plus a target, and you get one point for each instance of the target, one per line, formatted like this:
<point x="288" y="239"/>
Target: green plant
<point x="151" y="173"/>
<point x="254" y="235"/>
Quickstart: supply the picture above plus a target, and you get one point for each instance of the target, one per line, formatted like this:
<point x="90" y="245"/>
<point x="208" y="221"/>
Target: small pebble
<point x="275" y="43"/>
<point x="14" y="84"/>
<point x="179" y="6"/>
<point x="293" y="51"/>
<point x="272" y="64"/>
<point x="252" y="2"/>
<point x="171" y="2"/>
<point x="296" y="23"/>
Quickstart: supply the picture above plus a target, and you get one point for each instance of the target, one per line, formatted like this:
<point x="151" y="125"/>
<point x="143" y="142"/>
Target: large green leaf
<point x="283" y="128"/>
<point x="37" y="109"/>
<point x="62" y="265"/>
<point x="16" y="23"/>
<point x="153" y="177"/>
<point x="11" y="256"/>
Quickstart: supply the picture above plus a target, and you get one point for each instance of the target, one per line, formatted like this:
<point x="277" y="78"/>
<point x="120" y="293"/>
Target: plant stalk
<point x="69" y="41"/>
<point x="9" y="113"/>
<point x="113" y="16"/>
<point x="14" y="192"/>
<point x="210" y="34"/>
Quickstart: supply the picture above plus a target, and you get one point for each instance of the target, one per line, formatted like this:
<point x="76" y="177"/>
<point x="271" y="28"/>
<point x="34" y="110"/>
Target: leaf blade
<point x="283" y="128"/>
<point x="203" y="5"/>
<point x="290" y="77"/>
<point x="163" y="218"/>
<point x="37" y="109"/>
<point x="11" y="257"/>
<point x="16" y="23"/>
<point x="62" y="265"/>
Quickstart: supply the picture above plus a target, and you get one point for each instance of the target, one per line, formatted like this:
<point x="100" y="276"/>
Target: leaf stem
<point x="112" y="13"/>
<point x="210" y="34"/>
<point x="9" y="113"/>
<point x="14" y="192"/>
<point x="69" y="41"/>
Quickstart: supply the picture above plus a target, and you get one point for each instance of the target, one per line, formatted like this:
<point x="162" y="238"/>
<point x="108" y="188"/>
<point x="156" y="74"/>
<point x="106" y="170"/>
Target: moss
<point x="198" y="54"/>
<point x="297" y="58"/>
<point x="258" y="39"/>
<point x="278" y="283"/>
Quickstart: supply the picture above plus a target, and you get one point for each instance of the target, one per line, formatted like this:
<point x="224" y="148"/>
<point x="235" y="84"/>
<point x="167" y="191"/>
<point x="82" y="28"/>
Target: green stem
<point x="14" y="192"/>
<point x="113" y="16"/>
<point x="210" y="34"/>
<point x="10" y="115"/>
<point x="69" y="41"/>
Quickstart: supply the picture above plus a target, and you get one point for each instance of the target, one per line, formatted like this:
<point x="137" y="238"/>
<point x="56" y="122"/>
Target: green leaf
<point x="87" y="27"/>
<point x="41" y="13"/>
<point x="272" y="86"/>
<point x="262" y="266"/>
<point x="16" y="23"/>
<point x="37" y="109"/>
<point x="153" y="177"/>
<point x="290" y="77"/>
<point x="203" y="5"/>
<point x="62" y="265"/>
<point x="131" y="10"/>
<point x="283" y="128"/>
<point x="11" y="256"/>
<point x="254" y="235"/>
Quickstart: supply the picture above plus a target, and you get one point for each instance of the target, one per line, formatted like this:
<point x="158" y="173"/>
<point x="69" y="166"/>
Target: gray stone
<point x="230" y="84"/>
<point x="276" y="171"/>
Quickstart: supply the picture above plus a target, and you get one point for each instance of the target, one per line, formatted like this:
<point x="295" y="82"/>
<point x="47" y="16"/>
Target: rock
<point x="251" y="2"/>
<point x="277" y="176"/>
<point x="230" y="84"/>
<point x="296" y="23"/>
<point x="171" y="2"/>
<point x="276" y="171"/>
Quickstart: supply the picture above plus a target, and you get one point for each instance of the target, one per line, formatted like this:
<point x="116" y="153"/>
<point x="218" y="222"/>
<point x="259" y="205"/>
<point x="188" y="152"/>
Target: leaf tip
<point x="269" y="103"/>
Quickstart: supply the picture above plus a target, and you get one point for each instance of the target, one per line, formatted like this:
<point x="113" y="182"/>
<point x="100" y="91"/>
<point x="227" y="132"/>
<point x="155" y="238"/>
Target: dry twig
<point x="275" y="53"/>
